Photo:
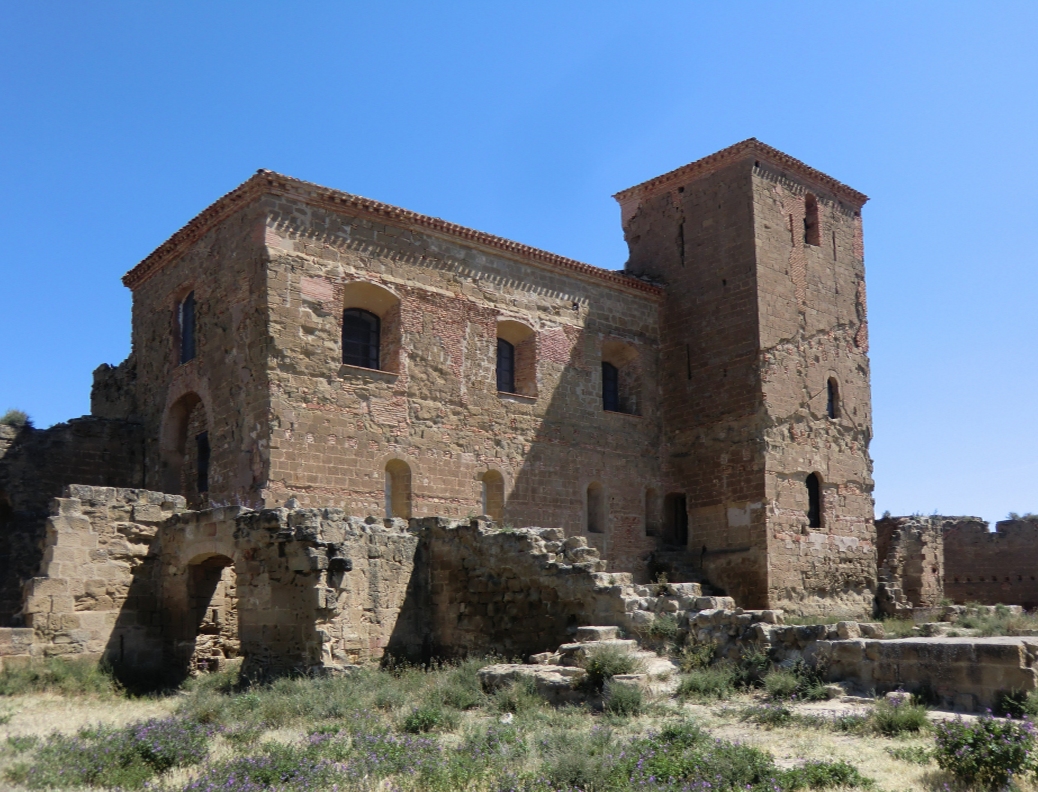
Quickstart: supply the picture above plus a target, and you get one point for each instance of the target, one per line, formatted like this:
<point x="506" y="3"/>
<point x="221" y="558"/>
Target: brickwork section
<point x="991" y="567"/>
<point x="910" y="553"/>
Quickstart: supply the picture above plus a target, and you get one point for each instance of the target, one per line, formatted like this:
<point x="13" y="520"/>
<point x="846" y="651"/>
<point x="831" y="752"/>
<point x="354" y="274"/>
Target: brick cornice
<point x="725" y="157"/>
<point x="270" y="183"/>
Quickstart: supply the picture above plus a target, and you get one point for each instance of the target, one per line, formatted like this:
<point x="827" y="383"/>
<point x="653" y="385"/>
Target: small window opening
<point x="812" y="231"/>
<point x="832" y="404"/>
<point x="186" y="318"/>
<point x="675" y="519"/>
<point x="202" y="444"/>
<point x="610" y="387"/>
<point x="361" y="332"/>
<point x="398" y="489"/>
<point x="681" y="243"/>
<point x="505" y="366"/>
<point x="596" y="508"/>
<point x="814" y="501"/>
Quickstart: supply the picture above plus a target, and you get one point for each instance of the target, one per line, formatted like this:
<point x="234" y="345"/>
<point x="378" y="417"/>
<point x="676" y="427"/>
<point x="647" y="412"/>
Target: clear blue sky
<point x="120" y="121"/>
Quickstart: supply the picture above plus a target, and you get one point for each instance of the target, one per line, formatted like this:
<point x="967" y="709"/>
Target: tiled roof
<point x="270" y="183"/>
<point x="744" y="150"/>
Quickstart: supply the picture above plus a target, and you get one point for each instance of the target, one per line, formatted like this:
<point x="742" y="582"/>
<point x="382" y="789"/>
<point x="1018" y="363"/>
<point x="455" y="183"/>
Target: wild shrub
<point x="126" y="757"/>
<point x="899" y="628"/>
<point x="624" y="700"/>
<point x="912" y="754"/>
<point x="752" y="667"/>
<point x="898" y="715"/>
<point x="427" y="717"/>
<point x="519" y="697"/>
<point x="282" y="767"/>
<point x="1017" y="703"/>
<point x="665" y="627"/>
<point x="781" y="684"/>
<point x="704" y="684"/>
<point x="15" y="418"/>
<point x="693" y="658"/>
<point x="986" y="752"/>
<point x="605" y="662"/>
<point x="770" y="715"/>
<point x="824" y="775"/>
<point x="461" y="690"/>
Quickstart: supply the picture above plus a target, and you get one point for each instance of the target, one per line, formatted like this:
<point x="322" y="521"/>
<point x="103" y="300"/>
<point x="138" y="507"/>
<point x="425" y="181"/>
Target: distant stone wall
<point x="992" y="567"/>
<point x="35" y="466"/>
<point x="911" y="561"/>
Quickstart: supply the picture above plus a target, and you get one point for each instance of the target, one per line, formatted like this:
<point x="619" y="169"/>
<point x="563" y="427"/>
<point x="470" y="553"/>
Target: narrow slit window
<point x="812" y="231"/>
<point x="202" y="444"/>
<point x="814" y="501"/>
<point x="610" y="387"/>
<point x="832" y="406"/>
<point x="187" y="328"/>
<point x="596" y="509"/>
<point x="361" y="338"/>
<point x="505" y="366"/>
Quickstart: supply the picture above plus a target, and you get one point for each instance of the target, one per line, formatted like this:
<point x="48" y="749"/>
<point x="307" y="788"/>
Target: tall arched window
<point x="596" y="508"/>
<point x="505" y="367"/>
<point x="812" y="228"/>
<point x="832" y="404"/>
<point x="361" y="332"/>
<point x="814" y="501"/>
<point x="398" y="489"/>
<point x="610" y="387"/>
<point x="186" y="324"/>
<point x="494" y="495"/>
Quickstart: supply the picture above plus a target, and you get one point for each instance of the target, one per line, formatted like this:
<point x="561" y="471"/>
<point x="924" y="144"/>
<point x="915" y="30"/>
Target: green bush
<point x="605" y="662"/>
<point x="428" y="717"/>
<point x="769" y="715"/>
<point x="625" y="700"/>
<point x="1017" y="703"/>
<point x="824" y="775"/>
<point x="781" y="684"/>
<point x="716" y="682"/>
<point x="986" y="752"/>
<point x="693" y="658"/>
<point x="665" y="627"/>
<point x="898" y="716"/>
<point x="914" y="754"/>
<point x="520" y="697"/>
<point x="15" y="418"/>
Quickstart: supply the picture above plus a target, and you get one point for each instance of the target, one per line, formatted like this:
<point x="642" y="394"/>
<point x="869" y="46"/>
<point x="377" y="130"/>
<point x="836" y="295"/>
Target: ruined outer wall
<point x="226" y="269"/>
<point x="334" y="427"/>
<point x="97" y="593"/>
<point x="698" y="238"/>
<point x="35" y="466"/>
<point x="910" y="551"/>
<point x="813" y="327"/>
<point x="991" y="567"/>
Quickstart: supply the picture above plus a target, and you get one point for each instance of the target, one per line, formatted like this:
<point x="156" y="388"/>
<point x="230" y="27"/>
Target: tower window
<point x="814" y="501"/>
<point x="610" y="387"/>
<point x="361" y="332"/>
<point x="505" y="366"/>
<point x="832" y="404"/>
<point x="596" y="508"/>
<point x="186" y="320"/>
<point x="812" y="229"/>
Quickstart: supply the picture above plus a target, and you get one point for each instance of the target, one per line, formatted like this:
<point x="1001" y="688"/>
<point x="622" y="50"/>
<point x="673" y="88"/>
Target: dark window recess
<point x="505" y="366"/>
<point x="812" y="230"/>
<point x="360" y="338"/>
<point x="187" y="328"/>
<point x="814" y="501"/>
<point x="202" y="443"/>
<point x="675" y="520"/>
<point x="832" y="405"/>
<point x="610" y="387"/>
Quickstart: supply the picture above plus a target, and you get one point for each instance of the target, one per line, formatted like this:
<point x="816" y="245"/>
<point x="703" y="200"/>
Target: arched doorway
<point x="212" y="589"/>
<point x="186" y="450"/>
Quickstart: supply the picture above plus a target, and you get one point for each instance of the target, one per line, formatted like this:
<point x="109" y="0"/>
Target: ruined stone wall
<point x="35" y="466"/>
<point x="97" y="592"/>
<point x="991" y="567"/>
<point x="811" y="304"/>
<point x="226" y="270"/>
<point x="910" y="553"/>
<point x="698" y="239"/>
<point x="435" y="406"/>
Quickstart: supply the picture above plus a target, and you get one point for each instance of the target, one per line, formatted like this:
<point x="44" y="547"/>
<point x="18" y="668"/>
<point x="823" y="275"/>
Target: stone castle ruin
<point x="338" y="417"/>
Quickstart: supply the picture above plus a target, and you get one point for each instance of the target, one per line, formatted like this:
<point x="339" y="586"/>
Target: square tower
<point x="764" y="374"/>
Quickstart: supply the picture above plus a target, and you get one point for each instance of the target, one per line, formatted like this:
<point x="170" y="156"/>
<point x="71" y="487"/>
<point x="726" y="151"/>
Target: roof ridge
<point x="265" y="181"/>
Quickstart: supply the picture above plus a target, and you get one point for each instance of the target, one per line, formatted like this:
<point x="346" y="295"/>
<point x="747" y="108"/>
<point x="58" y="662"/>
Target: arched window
<point x="505" y="367"/>
<point x="186" y="326"/>
<point x="186" y="451"/>
<point x="610" y="387"/>
<point x="652" y="512"/>
<point x="832" y="404"/>
<point x="361" y="338"/>
<point x="596" y="508"/>
<point x="398" y="489"/>
<point x="494" y="495"/>
<point x="812" y="229"/>
<point x="814" y="501"/>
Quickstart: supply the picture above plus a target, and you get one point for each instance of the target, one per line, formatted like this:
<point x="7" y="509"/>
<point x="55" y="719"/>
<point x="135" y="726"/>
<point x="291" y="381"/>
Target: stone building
<point x="709" y="403"/>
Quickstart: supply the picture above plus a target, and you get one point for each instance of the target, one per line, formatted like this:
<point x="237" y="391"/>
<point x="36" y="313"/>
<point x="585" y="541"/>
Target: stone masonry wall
<point x="911" y="558"/>
<point x="35" y="467"/>
<point x="991" y="567"/>
<point x="335" y="427"/>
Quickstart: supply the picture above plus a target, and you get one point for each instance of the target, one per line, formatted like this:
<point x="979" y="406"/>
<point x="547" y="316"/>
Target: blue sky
<point x="120" y="121"/>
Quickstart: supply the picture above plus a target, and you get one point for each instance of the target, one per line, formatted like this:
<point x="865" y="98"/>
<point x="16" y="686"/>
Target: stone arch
<point x="522" y="339"/>
<point x="185" y="449"/>
<point x="398" y="489"/>
<point x="493" y="494"/>
<point x="212" y="595"/>
<point x="623" y="359"/>
<point x="379" y="301"/>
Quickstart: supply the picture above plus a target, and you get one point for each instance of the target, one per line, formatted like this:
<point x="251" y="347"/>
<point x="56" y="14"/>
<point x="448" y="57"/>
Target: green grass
<point x="716" y="683"/>
<point x="56" y="675"/>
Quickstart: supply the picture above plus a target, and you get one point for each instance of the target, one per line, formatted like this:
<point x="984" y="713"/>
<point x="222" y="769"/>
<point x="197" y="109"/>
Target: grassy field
<point x="69" y="727"/>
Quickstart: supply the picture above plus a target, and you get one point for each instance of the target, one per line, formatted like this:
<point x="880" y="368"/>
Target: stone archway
<point x="212" y="590"/>
<point x="185" y="450"/>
